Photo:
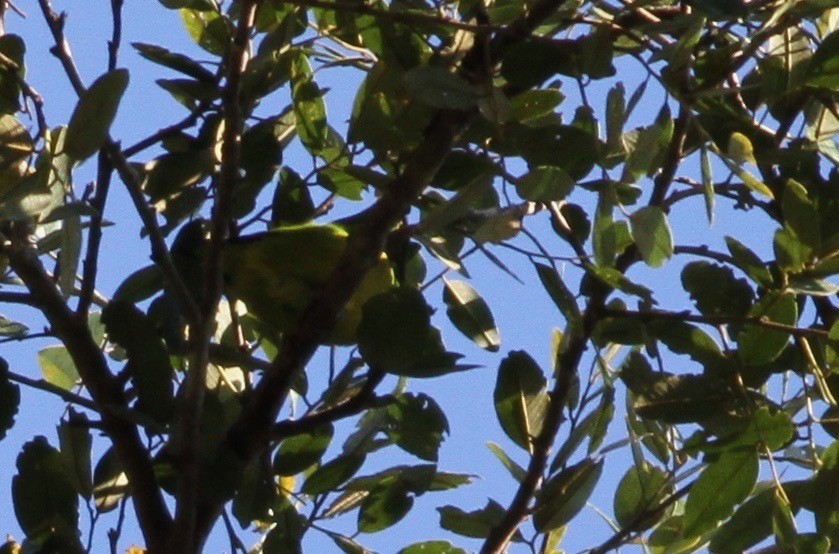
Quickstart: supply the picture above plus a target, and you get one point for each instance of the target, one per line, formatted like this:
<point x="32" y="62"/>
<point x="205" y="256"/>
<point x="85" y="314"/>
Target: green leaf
<point x="564" y="495"/>
<point x="545" y="184"/>
<point x="9" y="328"/>
<point x="652" y="235"/>
<point x="93" y="115"/>
<point x="684" y="398"/>
<point x="740" y="149"/>
<point x="715" y="290"/>
<point x="683" y="338"/>
<point x="9" y="399"/>
<point x="419" y="425"/>
<point x="533" y="104"/>
<point x="800" y="215"/>
<point x="823" y="70"/>
<point x="812" y="287"/>
<point x="708" y="185"/>
<point x="57" y="367"/>
<point x="561" y="295"/>
<point x="520" y="398"/>
<point x="476" y="524"/>
<point x="174" y="172"/>
<point x="286" y="535"/>
<point x="68" y="256"/>
<point x="615" y="118"/>
<point x="328" y="476"/>
<point x="750" y="524"/>
<point x="470" y="314"/>
<point x="392" y="329"/>
<point x="299" y="452"/>
<point x="515" y="469"/>
<point x="383" y="508"/>
<point x="140" y="285"/>
<point x="723" y="484"/>
<point x="148" y="359"/>
<point x="207" y="28"/>
<point x="749" y="262"/>
<point x="308" y="104"/>
<point x="75" y="441"/>
<point x="825" y="489"/>
<point x="173" y="60"/>
<point x="640" y="491"/>
<point x="646" y="148"/>
<point x="759" y="345"/>
<point x="432" y="547"/>
<point x="45" y="502"/>
<point x="440" y="88"/>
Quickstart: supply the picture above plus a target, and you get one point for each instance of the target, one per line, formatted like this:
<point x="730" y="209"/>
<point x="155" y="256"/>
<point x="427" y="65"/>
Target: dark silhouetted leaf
<point x="45" y="502"/>
<point x="76" y="441"/>
<point x="715" y="290"/>
<point x="9" y="399"/>
<point x="328" y="476"/>
<point x="148" y="359"/>
<point x="438" y="87"/>
<point x="392" y="328"/>
<point x="301" y="451"/>
<point x="419" y="425"/>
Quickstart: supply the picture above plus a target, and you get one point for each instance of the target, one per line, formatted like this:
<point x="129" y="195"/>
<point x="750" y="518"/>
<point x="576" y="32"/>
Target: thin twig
<point x="62" y="393"/>
<point x="365" y="398"/>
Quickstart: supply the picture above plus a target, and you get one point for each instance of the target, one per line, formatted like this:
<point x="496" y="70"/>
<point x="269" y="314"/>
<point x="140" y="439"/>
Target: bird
<point x="276" y="273"/>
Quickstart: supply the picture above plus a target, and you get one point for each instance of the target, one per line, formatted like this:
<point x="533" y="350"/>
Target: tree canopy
<point x="663" y="175"/>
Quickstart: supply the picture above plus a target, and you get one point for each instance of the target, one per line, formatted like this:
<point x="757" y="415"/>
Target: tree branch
<point x="64" y="394"/>
<point x="365" y="398"/>
<point x="104" y="388"/>
<point x="184" y="539"/>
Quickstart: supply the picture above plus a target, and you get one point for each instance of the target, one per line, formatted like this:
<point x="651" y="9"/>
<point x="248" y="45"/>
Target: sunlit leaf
<point x="723" y="484"/>
<point x="520" y="398"/>
<point x="652" y="235"/>
<point x="93" y="115"/>
<point x="471" y="314"/>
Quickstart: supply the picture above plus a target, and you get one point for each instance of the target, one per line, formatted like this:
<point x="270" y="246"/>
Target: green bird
<point x="277" y="272"/>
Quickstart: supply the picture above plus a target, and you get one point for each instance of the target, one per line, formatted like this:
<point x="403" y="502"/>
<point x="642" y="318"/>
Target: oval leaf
<point x="760" y="345"/>
<point x="471" y="314"/>
<point x="92" y="118"/>
<point x="652" y="235"/>
<point x="722" y="485"/>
